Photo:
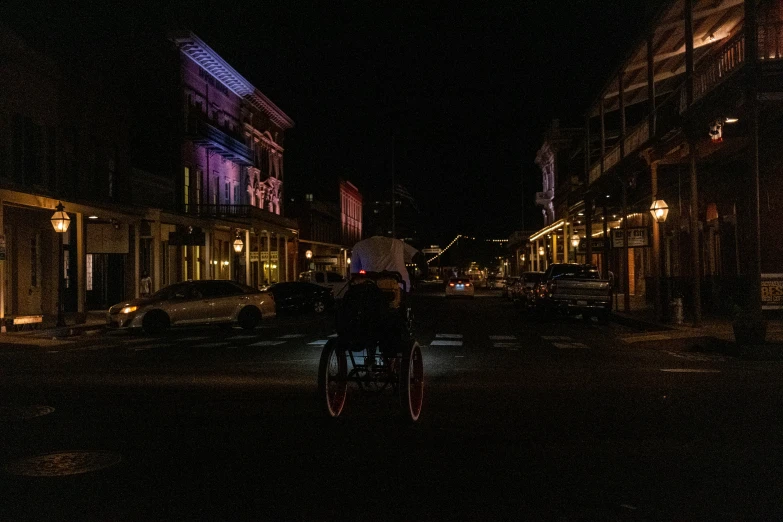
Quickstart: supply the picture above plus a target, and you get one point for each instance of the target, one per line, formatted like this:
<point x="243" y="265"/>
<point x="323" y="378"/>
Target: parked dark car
<point x="523" y="292"/>
<point x="302" y="297"/>
<point x="508" y="284"/>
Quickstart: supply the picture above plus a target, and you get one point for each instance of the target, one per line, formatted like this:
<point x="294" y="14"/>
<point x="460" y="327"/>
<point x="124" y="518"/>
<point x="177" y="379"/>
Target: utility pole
<point x="393" y="196"/>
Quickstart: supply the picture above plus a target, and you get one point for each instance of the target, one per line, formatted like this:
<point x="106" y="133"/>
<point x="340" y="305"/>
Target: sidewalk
<point x="714" y="333"/>
<point x="94" y="322"/>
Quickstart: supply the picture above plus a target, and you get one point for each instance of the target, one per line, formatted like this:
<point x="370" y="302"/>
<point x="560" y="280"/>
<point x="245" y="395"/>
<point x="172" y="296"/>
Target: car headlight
<point x="129" y="309"/>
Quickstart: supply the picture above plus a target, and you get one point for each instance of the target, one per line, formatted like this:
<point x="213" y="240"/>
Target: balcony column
<point x="589" y="229"/>
<point x="206" y="255"/>
<point x="751" y="57"/>
<point x="268" y="275"/>
<point x="694" y="226"/>
<point x="607" y="239"/>
<point x="624" y="268"/>
<point x="2" y="273"/>
<point x="554" y="247"/>
<point x="136" y="259"/>
<point x="656" y="245"/>
<point x="247" y="257"/>
<point x="285" y="256"/>
<point x="602" y="113"/>
<point x="566" y="240"/>
<point x="621" y="101"/>
<point x="156" y="252"/>
<point x="81" y="265"/>
<point x="688" y="7"/>
<point x="651" y="87"/>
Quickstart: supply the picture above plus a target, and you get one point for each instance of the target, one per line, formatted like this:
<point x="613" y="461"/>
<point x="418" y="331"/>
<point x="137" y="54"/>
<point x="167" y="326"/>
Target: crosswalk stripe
<point x="448" y="336"/>
<point x="503" y="337"/>
<point x="319" y="342"/>
<point x="688" y="370"/>
<point x="508" y="346"/>
<point x="188" y="339"/>
<point x="210" y="345"/>
<point x="291" y="336"/>
<point x="332" y="336"/>
<point x="555" y="338"/>
<point x="570" y="346"/>
<point x="446" y="343"/>
<point x="267" y="343"/>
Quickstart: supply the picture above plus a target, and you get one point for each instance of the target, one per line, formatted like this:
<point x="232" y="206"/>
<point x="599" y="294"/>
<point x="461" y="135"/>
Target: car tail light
<point x="451" y="284"/>
<point x="467" y="284"/>
<point x="362" y="271"/>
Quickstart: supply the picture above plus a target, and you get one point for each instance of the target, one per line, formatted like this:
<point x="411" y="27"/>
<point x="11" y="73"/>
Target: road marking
<point x="459" y="356"/>
<point x="696" y="357"/>
<point x="688" y="370"/>
<point x="555" y="338"/>
<point x="503" y="337"/>
<point x="149" y="347"/>
<point x="448" y="336"/>
<point x="267" y="343"/>
<point x="333" y="336"/>
<point x="446" y="343"/>
<point x="507" y="346"/>
<point x="210" y="345"/>
<point x="189" y="339"/>
<point x="570" y="346"/>
<point x="319" y="342"/>
<point x="291" y="336"/>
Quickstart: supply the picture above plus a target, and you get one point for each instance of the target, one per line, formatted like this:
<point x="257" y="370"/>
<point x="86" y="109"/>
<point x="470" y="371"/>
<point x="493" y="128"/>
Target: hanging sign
<point x="772" y="291"/>
<point x="637" y="237"/>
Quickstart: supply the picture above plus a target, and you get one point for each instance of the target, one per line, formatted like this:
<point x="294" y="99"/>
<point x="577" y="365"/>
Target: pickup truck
<point x="331" y="280"/>
<point x="573" y="289"/>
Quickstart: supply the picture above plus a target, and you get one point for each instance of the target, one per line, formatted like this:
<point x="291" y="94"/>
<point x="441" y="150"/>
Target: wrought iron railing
<point x="239" y="212"/>
<point x="771" y="41"/>
<point x="715" y="68"/>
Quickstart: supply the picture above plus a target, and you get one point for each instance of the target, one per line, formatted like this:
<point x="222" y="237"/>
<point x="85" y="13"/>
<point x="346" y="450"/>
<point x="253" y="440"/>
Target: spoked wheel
<point x="411" y="383"/>
<point x="332" y="379"/>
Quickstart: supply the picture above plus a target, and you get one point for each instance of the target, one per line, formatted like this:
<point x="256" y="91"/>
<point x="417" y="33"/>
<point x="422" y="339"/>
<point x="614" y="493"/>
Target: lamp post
<point x="659" y="211"/>
<point x="522" y="258"/>
<point x="575" y="243"/>
<point x="238" y="246"/>
<point x="60" y="222"/>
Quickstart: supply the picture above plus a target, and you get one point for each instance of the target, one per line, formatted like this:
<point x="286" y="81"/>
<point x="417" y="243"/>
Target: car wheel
<point x="249" y="318"/>
<point x="155" y="322"/>
<point x="319" y="306"/>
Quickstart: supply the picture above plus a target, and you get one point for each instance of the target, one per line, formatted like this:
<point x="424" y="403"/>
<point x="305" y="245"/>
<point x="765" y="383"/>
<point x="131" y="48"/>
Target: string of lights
<point x="436" y="256"/>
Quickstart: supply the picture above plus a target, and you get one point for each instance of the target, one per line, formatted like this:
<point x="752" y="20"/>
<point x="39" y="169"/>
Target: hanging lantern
<point x="575" y="240"/>
<point x="309" y="254"/>
<point x="541" y="251"/>
<point x="238" y="244"/>
<point x="60" y="220"/>
<point x="659" y="210"/>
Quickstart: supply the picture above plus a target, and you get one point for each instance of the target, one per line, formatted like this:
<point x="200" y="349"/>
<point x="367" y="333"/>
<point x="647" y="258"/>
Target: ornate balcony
<point x="217" y="140"/>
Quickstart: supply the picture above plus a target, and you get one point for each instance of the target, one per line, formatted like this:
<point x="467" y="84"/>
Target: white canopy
<point x="379" y="253"/>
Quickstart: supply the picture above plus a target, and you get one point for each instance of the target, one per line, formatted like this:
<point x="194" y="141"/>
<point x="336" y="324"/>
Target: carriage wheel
<point x="411" y="382"/>
<point x="332" y="379"/>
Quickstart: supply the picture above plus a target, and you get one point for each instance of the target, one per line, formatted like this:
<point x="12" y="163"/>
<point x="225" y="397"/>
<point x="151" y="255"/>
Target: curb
<point x="640" y="324"/>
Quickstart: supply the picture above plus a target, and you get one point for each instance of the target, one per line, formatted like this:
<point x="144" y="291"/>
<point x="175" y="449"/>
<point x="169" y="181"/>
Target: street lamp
<point x="309" y="254"/>
<point x="60" y="222"/>
<point x="575" y="241"/>
<point x="541" y="251"/>
<point x="659" y="210"/>
<point x="238" y="244"/>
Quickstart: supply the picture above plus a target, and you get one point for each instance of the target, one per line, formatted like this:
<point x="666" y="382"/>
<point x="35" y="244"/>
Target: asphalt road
<point x="522" y="420"/>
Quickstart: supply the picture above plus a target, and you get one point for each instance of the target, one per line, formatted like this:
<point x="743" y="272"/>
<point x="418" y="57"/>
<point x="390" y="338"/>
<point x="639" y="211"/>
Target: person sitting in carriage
<point x="374" y="308"/>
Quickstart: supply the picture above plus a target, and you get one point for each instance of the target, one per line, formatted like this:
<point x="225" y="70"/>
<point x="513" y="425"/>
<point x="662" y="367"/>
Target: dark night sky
<point x="467" y="90"/>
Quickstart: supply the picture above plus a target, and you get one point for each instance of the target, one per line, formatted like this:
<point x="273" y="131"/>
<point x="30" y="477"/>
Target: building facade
<point x="63" y="140"/>
<point x="690" y="118"/>
<point x="224" y="153"/>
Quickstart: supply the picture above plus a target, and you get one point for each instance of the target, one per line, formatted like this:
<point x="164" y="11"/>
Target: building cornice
<point x="205" y="57"/>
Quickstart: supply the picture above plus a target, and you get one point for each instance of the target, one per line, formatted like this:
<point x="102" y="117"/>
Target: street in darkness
<point x="523" y="419"/>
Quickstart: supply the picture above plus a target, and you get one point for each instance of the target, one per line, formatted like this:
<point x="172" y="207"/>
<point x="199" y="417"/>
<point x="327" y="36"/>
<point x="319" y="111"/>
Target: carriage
<point x="374" y="348"/>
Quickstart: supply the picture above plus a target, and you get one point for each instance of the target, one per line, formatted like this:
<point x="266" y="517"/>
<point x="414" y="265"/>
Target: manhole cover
<point x="62" y="464"/>
<point x="24" y="412"/>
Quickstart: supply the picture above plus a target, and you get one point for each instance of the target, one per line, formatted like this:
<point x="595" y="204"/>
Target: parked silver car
<point x="194" y="302"/>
